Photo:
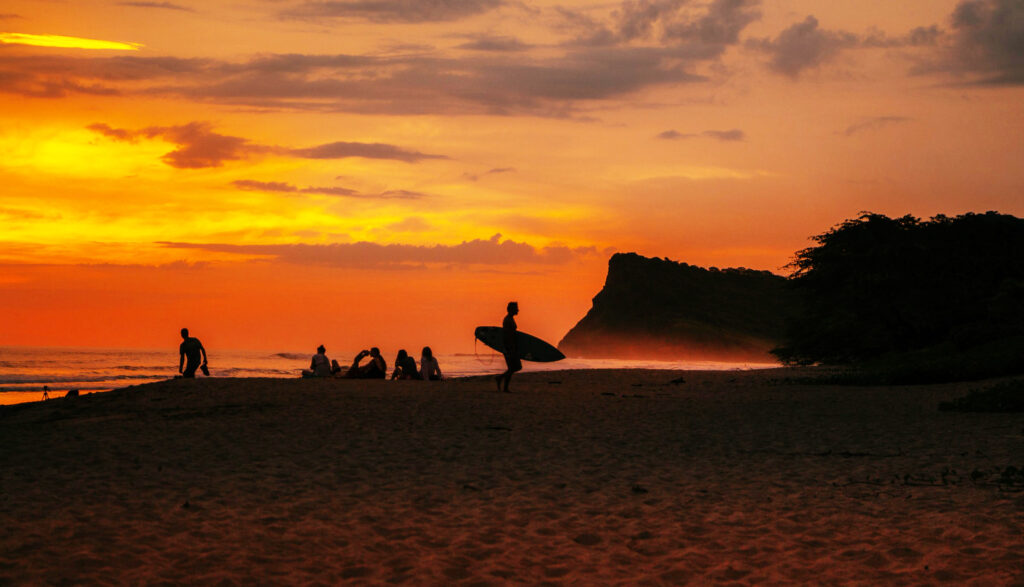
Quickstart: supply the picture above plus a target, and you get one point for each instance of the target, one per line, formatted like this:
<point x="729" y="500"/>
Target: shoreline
<point x="15" y="389"/>
<point x="577" y="476"/>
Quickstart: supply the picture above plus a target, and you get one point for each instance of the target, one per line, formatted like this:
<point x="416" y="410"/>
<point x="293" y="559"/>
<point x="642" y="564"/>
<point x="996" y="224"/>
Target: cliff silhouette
<point x="662" y="309"/>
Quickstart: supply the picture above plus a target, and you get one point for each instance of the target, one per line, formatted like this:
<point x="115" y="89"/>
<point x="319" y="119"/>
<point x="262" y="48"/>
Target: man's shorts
<point x="190" y="368"/>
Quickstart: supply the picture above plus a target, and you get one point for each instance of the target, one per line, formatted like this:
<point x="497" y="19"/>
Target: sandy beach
<point x="591" y="477"/>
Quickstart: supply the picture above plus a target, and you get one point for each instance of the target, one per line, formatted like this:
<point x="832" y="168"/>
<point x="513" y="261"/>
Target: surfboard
<point x="531" y="348"/>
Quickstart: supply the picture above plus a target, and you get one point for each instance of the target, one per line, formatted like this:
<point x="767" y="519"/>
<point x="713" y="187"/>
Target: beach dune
<point x="589" y="476"/>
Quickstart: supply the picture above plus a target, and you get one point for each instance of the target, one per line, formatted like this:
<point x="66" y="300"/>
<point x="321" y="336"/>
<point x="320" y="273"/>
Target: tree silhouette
<point x="874" y="286"/>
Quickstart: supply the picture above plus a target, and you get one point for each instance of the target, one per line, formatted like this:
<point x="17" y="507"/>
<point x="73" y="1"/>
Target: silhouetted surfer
<point x="191" y="348"/>
<point x="511" y="352"/>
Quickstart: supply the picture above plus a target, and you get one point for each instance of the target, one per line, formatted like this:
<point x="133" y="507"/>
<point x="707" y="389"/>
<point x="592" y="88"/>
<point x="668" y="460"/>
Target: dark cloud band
<point x="368" y="255"/>
<point x="721" y="135"/>
<point x="411" y="11"/>
<point x="157" y="5"/>
<point x="287" y="188"/>
<point x="198" y="146"/>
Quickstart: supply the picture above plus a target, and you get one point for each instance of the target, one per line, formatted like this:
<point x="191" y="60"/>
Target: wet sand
<point x="594" y="477"/>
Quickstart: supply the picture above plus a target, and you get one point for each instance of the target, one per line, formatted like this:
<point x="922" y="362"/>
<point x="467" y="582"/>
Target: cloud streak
<point x="500" y="44"/>
<point x="198" y="146"/>
<point x="367" y="255"/>
<point x="725" y="135"/>
<point x="492" y="75"/>
<point x="157" y="5"/>
<point x="492" y="171"/>
<point x="479" y="84"/>
<point x="731" y="135"/>
<point x="405" y="11"/>
<point x="873" y="123"/>
<point x="483" y="84"/>
<point x="287" y="188"/>
<point x="341" y="150"/>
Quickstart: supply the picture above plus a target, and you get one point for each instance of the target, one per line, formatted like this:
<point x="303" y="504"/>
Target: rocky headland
<point x="658" y="308"/>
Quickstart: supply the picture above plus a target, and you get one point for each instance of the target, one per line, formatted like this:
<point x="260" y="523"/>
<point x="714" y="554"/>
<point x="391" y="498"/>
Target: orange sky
<point x="275" y="175"/>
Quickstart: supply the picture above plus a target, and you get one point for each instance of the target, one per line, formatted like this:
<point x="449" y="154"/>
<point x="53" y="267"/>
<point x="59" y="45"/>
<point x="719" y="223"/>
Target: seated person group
<point x="376" y="368"/>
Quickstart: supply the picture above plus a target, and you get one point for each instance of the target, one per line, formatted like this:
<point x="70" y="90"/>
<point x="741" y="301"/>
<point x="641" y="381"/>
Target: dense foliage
<point x="876" y="287"/>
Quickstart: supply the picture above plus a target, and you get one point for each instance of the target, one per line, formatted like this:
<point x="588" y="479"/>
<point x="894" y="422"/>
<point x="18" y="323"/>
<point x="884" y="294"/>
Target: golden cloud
<point x="65" y="42"/>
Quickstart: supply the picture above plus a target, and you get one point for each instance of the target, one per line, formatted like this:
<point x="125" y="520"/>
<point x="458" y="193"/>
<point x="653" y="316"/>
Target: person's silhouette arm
<point x="359" y="357"/>
<point x="181" y="360"/>
<point x="202" y="349"/>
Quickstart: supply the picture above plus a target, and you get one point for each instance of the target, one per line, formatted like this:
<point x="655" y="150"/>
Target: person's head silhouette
<point x="184" y="332"/>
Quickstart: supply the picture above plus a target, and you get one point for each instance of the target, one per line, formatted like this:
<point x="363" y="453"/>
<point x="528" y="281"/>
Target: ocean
<point x="26" y="372"/>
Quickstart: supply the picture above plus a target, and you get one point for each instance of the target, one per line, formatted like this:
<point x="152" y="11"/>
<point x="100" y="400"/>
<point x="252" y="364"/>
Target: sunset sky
<point x="276" y="174"/>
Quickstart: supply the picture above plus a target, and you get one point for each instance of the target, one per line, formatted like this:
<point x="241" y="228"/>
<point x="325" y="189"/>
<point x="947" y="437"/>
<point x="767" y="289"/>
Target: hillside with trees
<point x="928" y="300"/>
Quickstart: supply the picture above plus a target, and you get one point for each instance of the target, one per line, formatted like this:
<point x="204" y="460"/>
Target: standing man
<point x="191" y="348"/>
<point x="509" y="341"/>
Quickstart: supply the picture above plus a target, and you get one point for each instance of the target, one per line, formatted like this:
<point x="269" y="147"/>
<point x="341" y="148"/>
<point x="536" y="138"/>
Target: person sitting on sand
<point x="405" y="367"/>
<point x="429" y="369"/>
<point x="191" y="348"/>
<point x="319" y="365"/>
<point x="377" y="368"/>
